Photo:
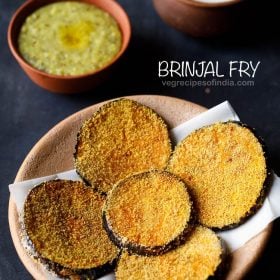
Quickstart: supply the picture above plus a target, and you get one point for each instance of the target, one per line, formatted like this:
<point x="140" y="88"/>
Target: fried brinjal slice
<point x="63" y="221"/>
<point x="225" y="167"/>
<point x="123" y="137"/>
<point x="198" y="259"/>
<point x="149" y="213"/>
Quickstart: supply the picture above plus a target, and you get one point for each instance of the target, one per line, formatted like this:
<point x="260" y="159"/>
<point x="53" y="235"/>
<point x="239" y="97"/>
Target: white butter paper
<point x="234" y="238"/>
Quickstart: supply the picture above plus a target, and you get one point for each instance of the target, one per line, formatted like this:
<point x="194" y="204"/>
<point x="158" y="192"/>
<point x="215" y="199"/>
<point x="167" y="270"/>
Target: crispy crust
<point x="123" y="137"/>
<point x="62" y="220"/>
<point x="79" y="274"/>
<point x="266" y="185"/>
<point x="186" y="146"/>
<point x="132" y="215"/>
<point x="200" y="257"/>
<point x="224" y="266"/>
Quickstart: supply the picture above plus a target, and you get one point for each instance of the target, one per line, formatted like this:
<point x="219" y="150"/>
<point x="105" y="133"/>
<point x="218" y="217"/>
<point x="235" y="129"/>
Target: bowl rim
<point x="205" y="4"/>
<point x="23" y="62"/>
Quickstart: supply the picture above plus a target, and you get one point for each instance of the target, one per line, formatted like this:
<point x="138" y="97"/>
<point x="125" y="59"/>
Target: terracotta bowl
<point x="54" y="153"/>
<point x="73" y="83"/>
<point x="203" y="19"/>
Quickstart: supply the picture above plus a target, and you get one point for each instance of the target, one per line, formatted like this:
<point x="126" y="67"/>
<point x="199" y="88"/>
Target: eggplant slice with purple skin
<point x="63" y="221"/>
<point x="225" y="167"/>
<point x="122" y="138"/>
<point x="200" y="257"/>
<point x="149" y="213"/>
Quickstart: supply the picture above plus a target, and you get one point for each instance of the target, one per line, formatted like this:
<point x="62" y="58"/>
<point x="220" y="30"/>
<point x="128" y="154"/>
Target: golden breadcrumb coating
<point x="63" y="221"/>
<point x="122" y="138"/>
<point x="148" y="209"/>
<point x="225" y="167"/>
<point x="197" y="259"/>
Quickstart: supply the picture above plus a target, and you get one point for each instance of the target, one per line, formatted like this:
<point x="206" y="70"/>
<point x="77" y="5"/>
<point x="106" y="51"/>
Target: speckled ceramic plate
<point x="54" y="153"/>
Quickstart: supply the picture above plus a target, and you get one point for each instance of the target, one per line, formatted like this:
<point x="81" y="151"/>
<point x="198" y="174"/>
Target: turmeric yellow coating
<point x="225" y="167"/>
<point x="197" y="259"/>
<point x="122" y="138"/>
<point x="148" y="209"/>
<point x="63" y="221"/>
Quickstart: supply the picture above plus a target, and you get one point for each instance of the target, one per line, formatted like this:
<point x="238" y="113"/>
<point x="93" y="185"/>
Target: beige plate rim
<point x="54" y="147"/>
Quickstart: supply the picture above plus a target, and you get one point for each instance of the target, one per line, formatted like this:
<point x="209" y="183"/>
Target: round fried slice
<point x="123" y="137"/>
<point x="63" y="221"/>
<point x="225" y="167"/>
<point x="197" y="259"/>
<point x="148" y="213"/>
